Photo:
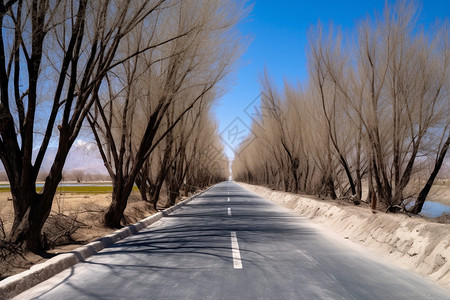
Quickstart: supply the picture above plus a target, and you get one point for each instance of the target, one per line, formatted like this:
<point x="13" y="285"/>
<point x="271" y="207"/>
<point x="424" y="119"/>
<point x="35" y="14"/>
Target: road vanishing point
<point x="229" y="243"/>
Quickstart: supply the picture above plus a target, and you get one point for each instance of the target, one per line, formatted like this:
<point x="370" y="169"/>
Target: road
<point x="232" y="244"/>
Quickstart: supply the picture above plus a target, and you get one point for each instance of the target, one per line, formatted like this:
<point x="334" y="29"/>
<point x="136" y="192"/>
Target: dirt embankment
<point x="413" y="243"/>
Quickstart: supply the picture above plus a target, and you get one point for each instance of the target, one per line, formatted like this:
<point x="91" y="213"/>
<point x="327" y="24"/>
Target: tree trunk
<point x="172" y="198"/>
<point x="186" y="189"/>
<point x="114" y="214"/>
<point x="418" y="205"/>
<point x="348" y="173"/>
<point x="305" y="181"/>
<point x="154" y="196"/>
<point x="373" y="203"/>
<point x="27" y="227"/>
<point x="384" y="190"/>
<point x="141" y="182"/>
<point x="32" y="209"/>
<point x="172" y="185"/>
<point x="330" y="187"/>
<point x="286" y="184"/>
<point x="370" y="185"/>
<point x="296" y="185"/>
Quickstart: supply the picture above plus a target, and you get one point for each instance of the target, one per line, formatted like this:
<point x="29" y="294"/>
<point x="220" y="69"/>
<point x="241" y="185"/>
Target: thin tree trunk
<point x="418" y="205"/>
<point x="154" y="196"/>
<point x="331" y="188"/>
<point x="141" y="181"/>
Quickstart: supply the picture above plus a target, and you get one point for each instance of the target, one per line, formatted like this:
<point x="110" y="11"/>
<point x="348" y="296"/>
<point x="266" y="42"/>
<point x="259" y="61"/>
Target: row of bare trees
<point x="374" y="113"/>
<point x="142" y="73"/>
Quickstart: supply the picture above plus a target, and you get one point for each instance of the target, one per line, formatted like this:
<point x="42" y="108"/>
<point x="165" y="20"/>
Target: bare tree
<point x="77" y="175"/>
<point x="74" y="44"/>
<point x="383" y="102"/>
<point x="192" y="156"/>
<point x="274" y="106"/>
<point x="405" y="69"/>
<point x="192" y="51"/>
<point x="323" y="57"/>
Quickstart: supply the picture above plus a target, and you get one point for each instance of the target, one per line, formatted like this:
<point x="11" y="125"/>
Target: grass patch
<point x="84" y="189"/>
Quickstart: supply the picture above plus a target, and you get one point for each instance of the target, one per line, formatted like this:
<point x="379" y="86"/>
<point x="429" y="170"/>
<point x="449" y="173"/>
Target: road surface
<point x="231" y="244"/>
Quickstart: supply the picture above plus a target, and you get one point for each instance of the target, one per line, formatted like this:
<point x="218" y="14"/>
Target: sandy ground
<point x="410" y="242"/>
<point x="83" y="210"/>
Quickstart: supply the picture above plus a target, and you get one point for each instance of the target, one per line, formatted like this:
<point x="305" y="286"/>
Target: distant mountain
<point x="83" y="156"/>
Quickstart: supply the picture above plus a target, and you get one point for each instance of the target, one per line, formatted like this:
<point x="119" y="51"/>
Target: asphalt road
<point x="232" y="244"/>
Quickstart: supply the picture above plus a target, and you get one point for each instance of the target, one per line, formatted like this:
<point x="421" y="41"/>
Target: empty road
<point x="231" y="244"/>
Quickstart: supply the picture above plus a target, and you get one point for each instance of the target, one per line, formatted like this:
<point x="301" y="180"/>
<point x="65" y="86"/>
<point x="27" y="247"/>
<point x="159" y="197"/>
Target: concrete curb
<point x="16" y="284"/>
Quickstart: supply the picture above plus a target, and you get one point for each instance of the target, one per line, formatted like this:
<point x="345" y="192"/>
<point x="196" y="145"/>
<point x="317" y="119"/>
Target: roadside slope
<point x="409" y="242"/>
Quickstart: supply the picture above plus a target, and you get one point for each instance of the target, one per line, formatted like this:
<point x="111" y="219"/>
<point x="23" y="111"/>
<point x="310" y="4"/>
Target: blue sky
<point x="278" y="30"/>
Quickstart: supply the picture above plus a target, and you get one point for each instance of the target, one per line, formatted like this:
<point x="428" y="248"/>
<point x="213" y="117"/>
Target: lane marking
<point x="237" y="263"/>
<point x="229" y="211"/>
<point x="308" y="257"/>
<point x="228" y="199"/>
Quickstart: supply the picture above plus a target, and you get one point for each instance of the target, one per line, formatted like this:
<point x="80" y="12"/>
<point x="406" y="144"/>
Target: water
<point x="434" y="209"/>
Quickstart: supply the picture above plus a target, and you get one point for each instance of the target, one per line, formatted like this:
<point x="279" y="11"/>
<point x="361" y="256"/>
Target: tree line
<point x="374" y="113"/>
<point x="142" y="75"/>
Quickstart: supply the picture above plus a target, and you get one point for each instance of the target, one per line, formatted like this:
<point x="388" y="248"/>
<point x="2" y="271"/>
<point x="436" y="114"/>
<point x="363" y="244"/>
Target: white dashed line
<point x="229" y="211"/>
<point x="237" y="263"/>
<point x="228" y="199"/>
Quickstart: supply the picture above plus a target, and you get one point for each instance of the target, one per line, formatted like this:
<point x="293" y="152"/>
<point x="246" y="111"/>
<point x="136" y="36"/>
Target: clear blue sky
<point x="278" y="30"/>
